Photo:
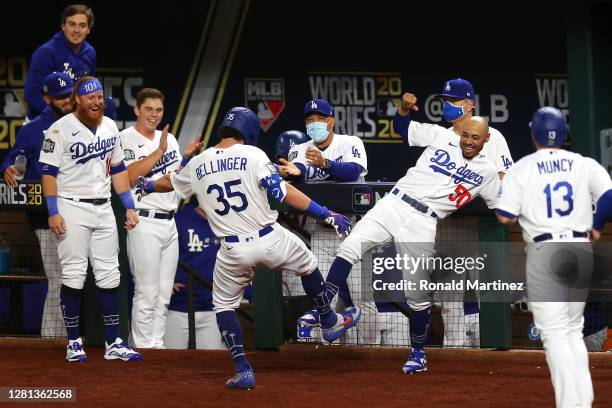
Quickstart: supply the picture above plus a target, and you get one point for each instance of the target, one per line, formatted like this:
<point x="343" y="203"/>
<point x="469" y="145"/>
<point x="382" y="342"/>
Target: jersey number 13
<point x="564" y="188"/>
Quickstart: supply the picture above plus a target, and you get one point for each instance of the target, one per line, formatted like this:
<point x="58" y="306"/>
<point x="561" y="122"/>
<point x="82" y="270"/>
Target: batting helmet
<point x="548" y="127"/>
<point x="287" y="140"/>
<point x="244" y="121"/>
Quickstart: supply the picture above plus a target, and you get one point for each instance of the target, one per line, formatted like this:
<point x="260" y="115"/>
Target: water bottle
<point x="21" y="161"/>
<point x="5" y="254"/>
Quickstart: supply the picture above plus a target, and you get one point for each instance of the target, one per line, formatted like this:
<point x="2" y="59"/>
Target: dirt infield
<point x="297" y="376"/>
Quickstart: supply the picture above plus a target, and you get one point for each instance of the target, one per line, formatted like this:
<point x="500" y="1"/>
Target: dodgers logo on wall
<point x="265" y="97"/>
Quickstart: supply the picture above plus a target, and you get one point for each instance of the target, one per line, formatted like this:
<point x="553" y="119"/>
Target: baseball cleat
<point x="345" y="321"/>
<point x="310" y="319"/>
<point x="244" y="380"/>
<point x="75" y="352"/>
<point x="305" y="325"/>
<point x="120" y="350"/>
<point x="416" y="363"/>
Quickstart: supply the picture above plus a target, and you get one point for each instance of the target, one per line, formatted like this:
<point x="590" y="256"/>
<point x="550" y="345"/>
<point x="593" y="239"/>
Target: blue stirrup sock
<point x="229" y="326"/>
<point x="321" y="296"/>
<point x="70" y="299"/>
<point x="419" y="327"/>
<point x="109" y="299"/>
<point x="345" y="295"/>
<point x="339" y="273"/>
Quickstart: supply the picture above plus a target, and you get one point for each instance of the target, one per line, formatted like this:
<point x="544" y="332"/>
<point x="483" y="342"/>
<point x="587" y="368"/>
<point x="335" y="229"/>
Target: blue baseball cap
<point x="458" y="88"/>
<point x="318" y="106"/>
<point x="57" y="84"/>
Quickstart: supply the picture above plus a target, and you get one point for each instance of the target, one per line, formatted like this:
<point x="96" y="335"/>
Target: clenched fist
<point x="407" y="104"/>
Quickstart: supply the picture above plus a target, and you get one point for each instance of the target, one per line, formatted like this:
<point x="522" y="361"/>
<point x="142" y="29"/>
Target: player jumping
<point x="447" y="175"/>
<point x="231" y="181"/>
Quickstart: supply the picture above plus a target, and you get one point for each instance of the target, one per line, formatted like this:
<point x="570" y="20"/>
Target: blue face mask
<point x="451" y="112"/>
<point x="317" y="131"/>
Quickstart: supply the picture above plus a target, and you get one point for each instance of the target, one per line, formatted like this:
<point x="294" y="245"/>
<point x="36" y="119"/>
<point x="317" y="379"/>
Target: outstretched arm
<point x="284" y="192"/>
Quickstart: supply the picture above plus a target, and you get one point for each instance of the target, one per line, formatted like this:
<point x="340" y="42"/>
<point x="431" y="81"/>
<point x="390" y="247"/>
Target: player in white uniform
<point x="459" y="98"/>
<point x="333" y="157"/>
<point x="551" y="193"/>
<point x="446" y="176"/>
<point x="80" y="155"/>
<point x="153" y="246"/>
<point x="231" y="182"/>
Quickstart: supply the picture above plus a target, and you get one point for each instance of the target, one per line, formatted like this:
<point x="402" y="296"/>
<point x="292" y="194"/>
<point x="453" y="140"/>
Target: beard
<point x="58" y="111"/>
<point x="91" y="119"/>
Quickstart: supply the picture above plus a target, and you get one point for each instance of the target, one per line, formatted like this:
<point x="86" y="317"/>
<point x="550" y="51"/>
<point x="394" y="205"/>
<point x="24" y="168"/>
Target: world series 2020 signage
<point x="26" y="196"/>
<point x="364" y="103"/>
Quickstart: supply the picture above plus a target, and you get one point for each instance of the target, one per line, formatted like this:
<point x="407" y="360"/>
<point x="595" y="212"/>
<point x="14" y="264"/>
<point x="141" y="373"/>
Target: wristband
<point x="52" y="205"/>
<point x="127" y="200"/>
<point x="185" y="161"/>
<point x="317" y="210"/>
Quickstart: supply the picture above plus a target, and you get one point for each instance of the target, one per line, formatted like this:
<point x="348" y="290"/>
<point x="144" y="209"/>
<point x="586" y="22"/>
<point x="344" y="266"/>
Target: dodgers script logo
<point x="85" y="152"/>
<point x="162" y="164"/>
<point x="444" y="164"/>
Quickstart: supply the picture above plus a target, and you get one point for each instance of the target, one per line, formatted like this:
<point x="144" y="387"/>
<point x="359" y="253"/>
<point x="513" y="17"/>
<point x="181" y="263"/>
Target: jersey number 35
<point x="225" y="193"/>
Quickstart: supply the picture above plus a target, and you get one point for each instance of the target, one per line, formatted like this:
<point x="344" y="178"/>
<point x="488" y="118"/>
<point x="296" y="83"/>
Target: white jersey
<point x="227" y="185"/>
<point x="137" y="147"/>
<point x="83" y="159"/>
<point x="442" y="178"/>
<point x="343" y="148"/>
<point x="496" y="150"/>
<point x="552" y="191"/>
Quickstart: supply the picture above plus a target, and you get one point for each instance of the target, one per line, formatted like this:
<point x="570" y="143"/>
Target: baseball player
<point x="57" y="88"/>
<point x="81" y="153"/>
<point x="341" y="158"/>
<point x="447" y="175"/>
<point x="458" y="106"/>
<point x="550" y="193"/>
<point x="198" y="248"/>
<point x="231" y="181"/>
<point x="153" y="246"/>
<point x="67" y="51"/>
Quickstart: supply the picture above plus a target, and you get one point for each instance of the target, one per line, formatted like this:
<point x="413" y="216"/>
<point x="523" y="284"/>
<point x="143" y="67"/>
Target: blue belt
<point x="417" y="205"/>
<point x="547" y="236"/>
<point x="262" y="232"/>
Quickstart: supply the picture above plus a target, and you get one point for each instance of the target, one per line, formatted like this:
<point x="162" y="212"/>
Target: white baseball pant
<point x="153" y="253"/>
<point x="237" y="262"/>
<point x="558" y="312"/>
<point x="206" y="331"/>
<point x="91" y="235"/>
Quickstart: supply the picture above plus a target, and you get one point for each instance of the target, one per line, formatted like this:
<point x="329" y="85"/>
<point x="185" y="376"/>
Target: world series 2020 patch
<point x="48" y="146"/>
<point x="129" y="154"/>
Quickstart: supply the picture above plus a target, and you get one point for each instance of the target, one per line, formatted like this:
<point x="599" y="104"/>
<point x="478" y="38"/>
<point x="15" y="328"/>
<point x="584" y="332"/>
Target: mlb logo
<point x="363" y="199"/>
<point x="265" y="97"/>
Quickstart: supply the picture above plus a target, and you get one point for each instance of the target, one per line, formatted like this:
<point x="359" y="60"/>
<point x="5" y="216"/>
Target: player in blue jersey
<point x="67" y="51"/>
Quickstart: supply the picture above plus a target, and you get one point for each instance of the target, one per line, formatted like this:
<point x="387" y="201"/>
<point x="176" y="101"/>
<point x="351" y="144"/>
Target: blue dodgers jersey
<point x="198" y="248"/>
<point x="56" y="55"/>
